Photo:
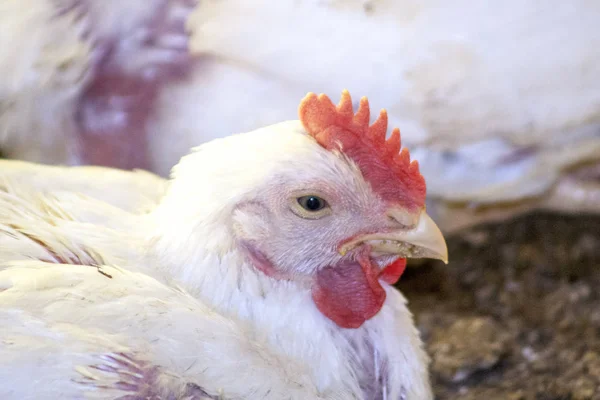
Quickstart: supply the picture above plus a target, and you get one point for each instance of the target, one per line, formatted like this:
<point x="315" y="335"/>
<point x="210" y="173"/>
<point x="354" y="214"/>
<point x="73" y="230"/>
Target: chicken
<point x="81" y="77"/>
<point x="291" y="235"/>
<point x="480" y="90"/>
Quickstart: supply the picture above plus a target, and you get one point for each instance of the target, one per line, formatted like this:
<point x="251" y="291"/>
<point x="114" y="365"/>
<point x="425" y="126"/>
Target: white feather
<point x="59" y="321"/>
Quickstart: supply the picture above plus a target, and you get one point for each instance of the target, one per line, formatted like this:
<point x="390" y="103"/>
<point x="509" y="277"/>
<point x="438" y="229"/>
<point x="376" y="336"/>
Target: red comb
<point x="389" y="171"/>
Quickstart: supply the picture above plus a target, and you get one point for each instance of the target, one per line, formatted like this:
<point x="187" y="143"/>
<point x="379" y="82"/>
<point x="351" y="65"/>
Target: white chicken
<point x="274" y="249"/>
<point x="80" y="77"/>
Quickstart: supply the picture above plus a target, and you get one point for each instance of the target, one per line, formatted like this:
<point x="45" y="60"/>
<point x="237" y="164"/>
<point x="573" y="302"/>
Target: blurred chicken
<point x="499" y="100"/>
<point x="80" y="77"/>
<point x="292" y="233"/>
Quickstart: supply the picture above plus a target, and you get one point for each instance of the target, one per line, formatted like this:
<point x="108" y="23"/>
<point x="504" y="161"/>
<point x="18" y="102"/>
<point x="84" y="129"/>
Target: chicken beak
<point x="425" y="240"/>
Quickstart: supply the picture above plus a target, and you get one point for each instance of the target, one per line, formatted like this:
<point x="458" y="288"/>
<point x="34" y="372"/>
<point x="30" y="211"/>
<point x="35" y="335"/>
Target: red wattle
<point x="392" y="273"/>
<point x="349" y="293"/>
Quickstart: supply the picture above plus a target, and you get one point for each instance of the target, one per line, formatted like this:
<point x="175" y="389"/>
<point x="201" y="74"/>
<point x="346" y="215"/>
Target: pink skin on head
<point x="261" y="262"/>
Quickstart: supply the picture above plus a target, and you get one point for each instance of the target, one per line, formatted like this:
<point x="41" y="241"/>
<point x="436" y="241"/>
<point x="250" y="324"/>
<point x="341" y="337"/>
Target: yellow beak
<point x="425" y="240"/>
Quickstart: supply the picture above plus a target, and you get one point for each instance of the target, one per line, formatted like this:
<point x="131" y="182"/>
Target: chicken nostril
<point x="402" y="218"/>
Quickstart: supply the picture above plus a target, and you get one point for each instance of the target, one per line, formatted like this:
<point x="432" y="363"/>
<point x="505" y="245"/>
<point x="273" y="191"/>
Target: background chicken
<point x="297" y="248"/>
<point x="495" y="113"/>
<point x="81" y="77"/>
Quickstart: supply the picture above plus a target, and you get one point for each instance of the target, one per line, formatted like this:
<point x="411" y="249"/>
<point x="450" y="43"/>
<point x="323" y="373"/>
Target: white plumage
<point x="171" y="288"/>
<point x="74" y="331"/>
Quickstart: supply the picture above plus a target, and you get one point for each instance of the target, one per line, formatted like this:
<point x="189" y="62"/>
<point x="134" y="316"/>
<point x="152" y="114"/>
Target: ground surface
<point x="516" y="314"/>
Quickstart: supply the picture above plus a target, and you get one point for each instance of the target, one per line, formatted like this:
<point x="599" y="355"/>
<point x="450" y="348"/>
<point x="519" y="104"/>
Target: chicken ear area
<point x="349" y="293"/>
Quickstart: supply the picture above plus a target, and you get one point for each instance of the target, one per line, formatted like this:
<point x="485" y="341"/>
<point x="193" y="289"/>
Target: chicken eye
<point x="312" y="203"/>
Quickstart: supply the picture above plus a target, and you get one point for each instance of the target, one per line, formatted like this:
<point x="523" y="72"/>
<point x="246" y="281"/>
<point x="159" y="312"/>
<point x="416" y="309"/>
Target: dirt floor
<point x="516" y="313"/>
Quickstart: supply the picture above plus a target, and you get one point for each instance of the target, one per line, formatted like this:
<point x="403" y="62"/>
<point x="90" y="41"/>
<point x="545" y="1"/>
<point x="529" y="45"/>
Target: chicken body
<point x="72" y="332"/>
<point x="132" y="191"/>
<point x="234" y="232"/>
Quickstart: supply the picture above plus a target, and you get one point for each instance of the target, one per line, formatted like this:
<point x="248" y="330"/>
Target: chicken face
<point x="336" y="238"/>
<point x="324" y="203"/>
<point x="318" y="221"/>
